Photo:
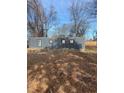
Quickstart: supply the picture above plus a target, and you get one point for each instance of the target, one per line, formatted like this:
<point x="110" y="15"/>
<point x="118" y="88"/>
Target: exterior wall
<point x="45" y="42"/>
<point x="34" y="42"/>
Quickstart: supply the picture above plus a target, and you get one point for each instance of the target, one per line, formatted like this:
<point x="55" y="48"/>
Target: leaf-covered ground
<point x="61" y="71"/>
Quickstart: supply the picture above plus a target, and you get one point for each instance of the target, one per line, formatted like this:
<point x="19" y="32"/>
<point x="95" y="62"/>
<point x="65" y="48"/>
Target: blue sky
<point x="63" y="15"/>
<point x="61" y="8"/>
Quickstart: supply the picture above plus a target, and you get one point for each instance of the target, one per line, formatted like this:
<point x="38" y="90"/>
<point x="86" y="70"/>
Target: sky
<point x="61" y="7"/>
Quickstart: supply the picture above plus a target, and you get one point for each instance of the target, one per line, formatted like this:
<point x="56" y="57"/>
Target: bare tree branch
<point x="80" y="13"/>
<point x="37" y="19"/>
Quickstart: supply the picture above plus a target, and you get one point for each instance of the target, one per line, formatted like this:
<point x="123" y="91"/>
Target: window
<point x="39" y="42"/>
<point x="50" y="41"/>
<point x="71" y="41"/>
<point x="63" y="41"/>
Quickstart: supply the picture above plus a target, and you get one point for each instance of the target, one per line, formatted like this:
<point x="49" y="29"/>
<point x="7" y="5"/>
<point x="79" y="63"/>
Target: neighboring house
<point x="60" y="42"/>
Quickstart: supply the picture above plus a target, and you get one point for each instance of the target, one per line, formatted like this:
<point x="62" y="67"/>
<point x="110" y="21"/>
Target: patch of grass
<point x="91" y="43"/>
<point x="91" y="46"/>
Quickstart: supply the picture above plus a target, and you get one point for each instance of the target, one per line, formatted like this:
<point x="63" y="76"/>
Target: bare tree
<point x="38" y="20"/>
<point x="93" y="14"/>
<point x="80" y="13"/>
<point x="94" y="33"/>
<point x="93" y="8"/>
<point x="35" y="15"/>
<point x="79" y="17"/>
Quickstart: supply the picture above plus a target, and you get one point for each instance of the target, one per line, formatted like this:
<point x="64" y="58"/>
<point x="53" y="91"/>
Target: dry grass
<point x="61" y="71"/>
<point x="90" y="43"/>
<point x="91" y="46"/>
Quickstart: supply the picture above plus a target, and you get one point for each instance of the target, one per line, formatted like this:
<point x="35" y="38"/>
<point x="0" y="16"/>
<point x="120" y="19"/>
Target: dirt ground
<point x="61" y="71"/>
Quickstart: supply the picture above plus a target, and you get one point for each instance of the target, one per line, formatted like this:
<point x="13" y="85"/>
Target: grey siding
<point x="44" y="42"/>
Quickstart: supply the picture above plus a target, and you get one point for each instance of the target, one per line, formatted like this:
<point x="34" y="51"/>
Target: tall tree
<point x="94" y="35"/>
<point x="39" y="21"/>
<point x="78" y="14"/>
<point x="92" y="11"/>
<point x="93" y="8"/>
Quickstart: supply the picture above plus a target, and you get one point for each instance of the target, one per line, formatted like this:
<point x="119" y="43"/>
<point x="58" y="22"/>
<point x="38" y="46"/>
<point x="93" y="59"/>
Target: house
<point x="58" y="42"/>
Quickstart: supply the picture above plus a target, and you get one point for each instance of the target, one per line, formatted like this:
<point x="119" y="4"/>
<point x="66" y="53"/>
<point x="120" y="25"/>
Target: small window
<point x="71" y="41"/>
<point x="50" y="41"/>
<point x="63" y="41"/>
<point x="39" y="42"/>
